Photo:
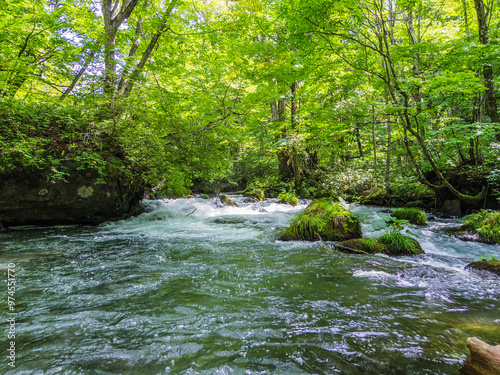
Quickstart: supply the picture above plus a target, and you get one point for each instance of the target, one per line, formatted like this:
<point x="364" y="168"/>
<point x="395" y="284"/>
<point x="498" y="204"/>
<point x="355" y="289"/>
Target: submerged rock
<point x="393" y="244"/>
<point x="486" y="265"/>
<point x="228" y="220"/>
<point x="324" y="219"/>
<point x="250" y="200"/>
<point x="29" y="198"/>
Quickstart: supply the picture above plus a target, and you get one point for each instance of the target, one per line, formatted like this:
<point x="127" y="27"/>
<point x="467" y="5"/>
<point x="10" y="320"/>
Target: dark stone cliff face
<point x="27" y="197"/>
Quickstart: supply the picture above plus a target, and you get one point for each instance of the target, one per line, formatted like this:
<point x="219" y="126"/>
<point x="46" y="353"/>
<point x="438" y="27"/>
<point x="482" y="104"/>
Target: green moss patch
<point x="394" y="244"/>
<point x="226" y="201"/>
<point x="413" y="215"/>
<point x="256" y="193"/>
<point x="486" y="265"/>
<point x="484" y="223"/>
<point x="324" y="219"/>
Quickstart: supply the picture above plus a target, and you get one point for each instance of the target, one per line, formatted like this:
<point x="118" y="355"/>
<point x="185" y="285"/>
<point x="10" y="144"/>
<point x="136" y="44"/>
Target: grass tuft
<point x="399" y="244"/>
<point x="413" y="215"/>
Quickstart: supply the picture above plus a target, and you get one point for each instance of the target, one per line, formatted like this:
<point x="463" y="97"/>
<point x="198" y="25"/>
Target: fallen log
<point x="484" y="359"/>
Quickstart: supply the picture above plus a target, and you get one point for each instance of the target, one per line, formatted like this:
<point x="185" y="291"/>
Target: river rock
<point x="380" y="245"/>
<point x="28" y="197"/>
<point x="226" y="201"/>
<point x="486" y="265"/>
<point x="250" y="200"/>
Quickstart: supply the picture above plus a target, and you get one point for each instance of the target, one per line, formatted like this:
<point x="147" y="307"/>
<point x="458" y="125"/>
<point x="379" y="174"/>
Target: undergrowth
<point x="485" y="223"/>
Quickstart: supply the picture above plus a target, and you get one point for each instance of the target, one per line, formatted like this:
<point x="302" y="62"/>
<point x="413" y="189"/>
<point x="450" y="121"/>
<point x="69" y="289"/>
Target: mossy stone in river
<point x="413" y="215"/>
<point x="394" y="244"/>
<point x="256" y="194"/>
<point x="486" y="265"/>
<point x="324" y="219"/>
<point x="226" y="201"/>
<point x="485" y="223"/>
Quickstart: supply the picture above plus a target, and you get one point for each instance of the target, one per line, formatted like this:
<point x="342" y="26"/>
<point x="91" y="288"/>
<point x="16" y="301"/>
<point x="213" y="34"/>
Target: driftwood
<point x="484" y="359"/>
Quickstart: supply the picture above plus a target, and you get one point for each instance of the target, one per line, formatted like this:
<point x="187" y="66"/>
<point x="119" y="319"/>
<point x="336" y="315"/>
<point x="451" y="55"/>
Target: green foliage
<point x="400" y="244"/>
<point x="407" y="190"/>
<point x="413" y="215"/>
<point x="307" y="227"/>
<point x="371" y="244"/>
<point x="485" y="223"/>
<point x="55" y="137"/>
<point x="204" y="196"/>
<point x="484" y="258"/>
<point x="255" y="191"/>
<point x="393" y="244"/>
<point x="289" y="197"/>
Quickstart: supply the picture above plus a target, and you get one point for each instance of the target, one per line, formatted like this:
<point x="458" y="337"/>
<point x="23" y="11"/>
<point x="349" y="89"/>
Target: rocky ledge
<point x="28" y="197"/>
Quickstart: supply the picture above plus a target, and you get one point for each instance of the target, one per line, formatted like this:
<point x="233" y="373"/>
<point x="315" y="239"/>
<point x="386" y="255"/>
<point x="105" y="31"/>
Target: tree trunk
<point x="358" y="142"/>
<point x="284" y="160"/>
<point x="374" y="141"/>
<point x="78" y="76"/>
<point x="388" y="157"/>
<point x="466" y="18"/>
<point x="112" y="21"/>
<point x="490" y="95"/>
<point x="484" y="359"/>
<point x="293" y="119"/>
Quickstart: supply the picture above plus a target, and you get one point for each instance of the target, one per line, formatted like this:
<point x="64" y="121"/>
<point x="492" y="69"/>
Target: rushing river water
<point x="191" y="287"/>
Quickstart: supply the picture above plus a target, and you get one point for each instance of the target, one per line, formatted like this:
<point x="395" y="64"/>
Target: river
<point x="191" y="287"/>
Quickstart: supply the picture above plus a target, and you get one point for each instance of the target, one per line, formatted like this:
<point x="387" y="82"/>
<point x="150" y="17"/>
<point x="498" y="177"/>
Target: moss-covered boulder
<point x="289" y="198"/>
<point x="486" y="265"/>
<point x="226" y="201"/>
<point x="324" y="219"/>
<point x="394" y="244"/>
<point x="413" y="215"/>
<point x="486" y="224"/>
<point x="256" y="193"/>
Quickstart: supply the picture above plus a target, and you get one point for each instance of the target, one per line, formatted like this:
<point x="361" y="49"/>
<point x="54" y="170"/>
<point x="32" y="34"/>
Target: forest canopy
<point x="315" y="98"/>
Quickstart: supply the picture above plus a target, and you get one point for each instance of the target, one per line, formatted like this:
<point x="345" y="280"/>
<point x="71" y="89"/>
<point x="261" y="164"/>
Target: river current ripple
<point x="192" y="287"/>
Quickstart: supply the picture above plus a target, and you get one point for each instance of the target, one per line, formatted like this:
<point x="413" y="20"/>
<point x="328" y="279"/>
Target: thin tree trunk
<point x="358" y="141"/>
<point x="112" y="21"/>
<point x="129" y="82"/>
<point x="388" y="157"/>
<point x="284" y="161"/>
<point x="466" y="18"/>
<point x="293" y="120"/>
<point x="77" y="77"/>
<point x="374" y="142"/>
<point x="483" y="16"/>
